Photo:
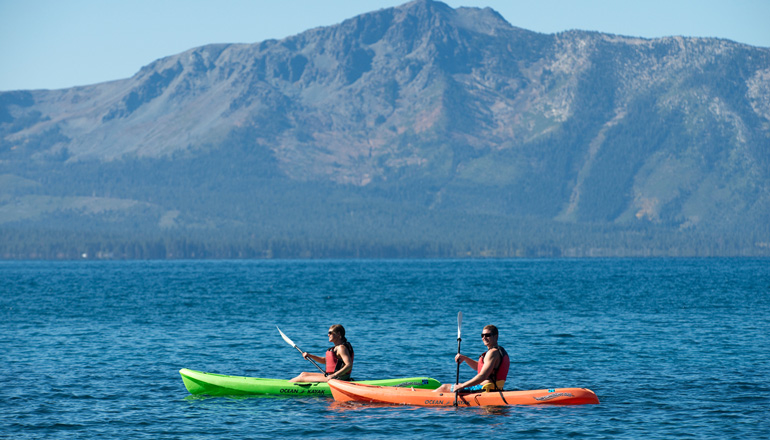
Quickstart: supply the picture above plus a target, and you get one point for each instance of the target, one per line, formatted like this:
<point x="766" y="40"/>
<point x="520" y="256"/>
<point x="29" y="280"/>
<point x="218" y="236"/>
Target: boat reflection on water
<point x="352" y="406"/>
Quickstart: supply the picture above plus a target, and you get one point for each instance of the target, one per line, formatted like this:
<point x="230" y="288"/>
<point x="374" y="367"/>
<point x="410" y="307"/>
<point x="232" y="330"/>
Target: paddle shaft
<point x="290" y="342"/>
<point x="459" y="339"/>
<point x="457" y="378"/>
<point x="312" y="362"/>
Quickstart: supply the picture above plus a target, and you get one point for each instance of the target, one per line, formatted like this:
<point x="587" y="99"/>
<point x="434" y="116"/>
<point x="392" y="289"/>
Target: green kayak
<point x="198" y="382"/>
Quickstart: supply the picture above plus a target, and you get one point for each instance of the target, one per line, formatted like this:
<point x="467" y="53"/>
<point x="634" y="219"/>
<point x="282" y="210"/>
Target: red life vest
<point x="499" y="372"/>
<point x="334" y="363"/>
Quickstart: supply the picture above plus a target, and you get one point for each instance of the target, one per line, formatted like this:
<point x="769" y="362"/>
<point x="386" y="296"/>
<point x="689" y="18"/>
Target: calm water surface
<point x="673" y="348"/>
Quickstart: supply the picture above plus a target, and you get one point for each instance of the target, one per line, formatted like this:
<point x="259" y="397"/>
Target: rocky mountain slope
<point x="421" y="124"/>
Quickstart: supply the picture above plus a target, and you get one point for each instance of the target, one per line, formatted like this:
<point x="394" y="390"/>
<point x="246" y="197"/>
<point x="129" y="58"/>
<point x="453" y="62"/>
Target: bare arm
<point x="343" y="354"/>
<point x="319" y="359"/>
<point x="463" y="358"/>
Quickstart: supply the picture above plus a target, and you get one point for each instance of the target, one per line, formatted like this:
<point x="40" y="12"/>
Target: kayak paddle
<point x="459" y="339"/>
<point x="290" y="342"/>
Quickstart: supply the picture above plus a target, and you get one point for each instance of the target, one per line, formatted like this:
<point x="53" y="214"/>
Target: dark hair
<point x="492" y="329"/>
<point x="339" y="329"/>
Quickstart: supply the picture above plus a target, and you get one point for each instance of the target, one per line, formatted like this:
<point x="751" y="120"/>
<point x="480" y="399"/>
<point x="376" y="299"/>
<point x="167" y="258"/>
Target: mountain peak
<point x="486" y="20"/>
<point x="425" y="8"/>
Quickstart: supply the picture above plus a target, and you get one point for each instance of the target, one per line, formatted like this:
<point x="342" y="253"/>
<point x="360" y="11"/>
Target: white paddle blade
<point x="286" y="338"/>
<point x="459" y="323"/>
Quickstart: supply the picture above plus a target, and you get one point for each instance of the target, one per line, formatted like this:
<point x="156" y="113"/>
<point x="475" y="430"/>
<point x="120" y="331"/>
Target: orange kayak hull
<point x="349" y="391"/>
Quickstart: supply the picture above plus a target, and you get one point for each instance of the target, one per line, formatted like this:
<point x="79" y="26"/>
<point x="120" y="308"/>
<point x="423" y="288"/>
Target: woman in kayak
<point x="492" y="367"/>
<point x="338" y="359"/>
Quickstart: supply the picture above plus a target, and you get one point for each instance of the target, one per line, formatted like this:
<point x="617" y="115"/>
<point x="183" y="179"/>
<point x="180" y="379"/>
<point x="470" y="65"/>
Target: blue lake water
<point x="674" y="348"/>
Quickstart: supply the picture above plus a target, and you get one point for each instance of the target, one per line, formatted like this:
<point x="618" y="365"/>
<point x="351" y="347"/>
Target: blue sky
<point x="62" y="43"/>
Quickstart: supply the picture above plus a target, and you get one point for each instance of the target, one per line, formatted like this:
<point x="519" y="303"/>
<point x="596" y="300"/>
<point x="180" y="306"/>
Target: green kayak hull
<point x="211" y="384"/>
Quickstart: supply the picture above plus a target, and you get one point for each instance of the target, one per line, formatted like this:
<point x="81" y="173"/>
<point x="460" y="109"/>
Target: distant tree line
<point x="51" y="245"/>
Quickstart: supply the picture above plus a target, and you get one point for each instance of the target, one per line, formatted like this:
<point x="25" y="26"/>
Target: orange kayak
<point x="350" y="391"/>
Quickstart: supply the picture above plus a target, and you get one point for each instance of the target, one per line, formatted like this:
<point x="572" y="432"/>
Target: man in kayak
<point x="338" y="359"/>
<point x="492" y="367"/>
